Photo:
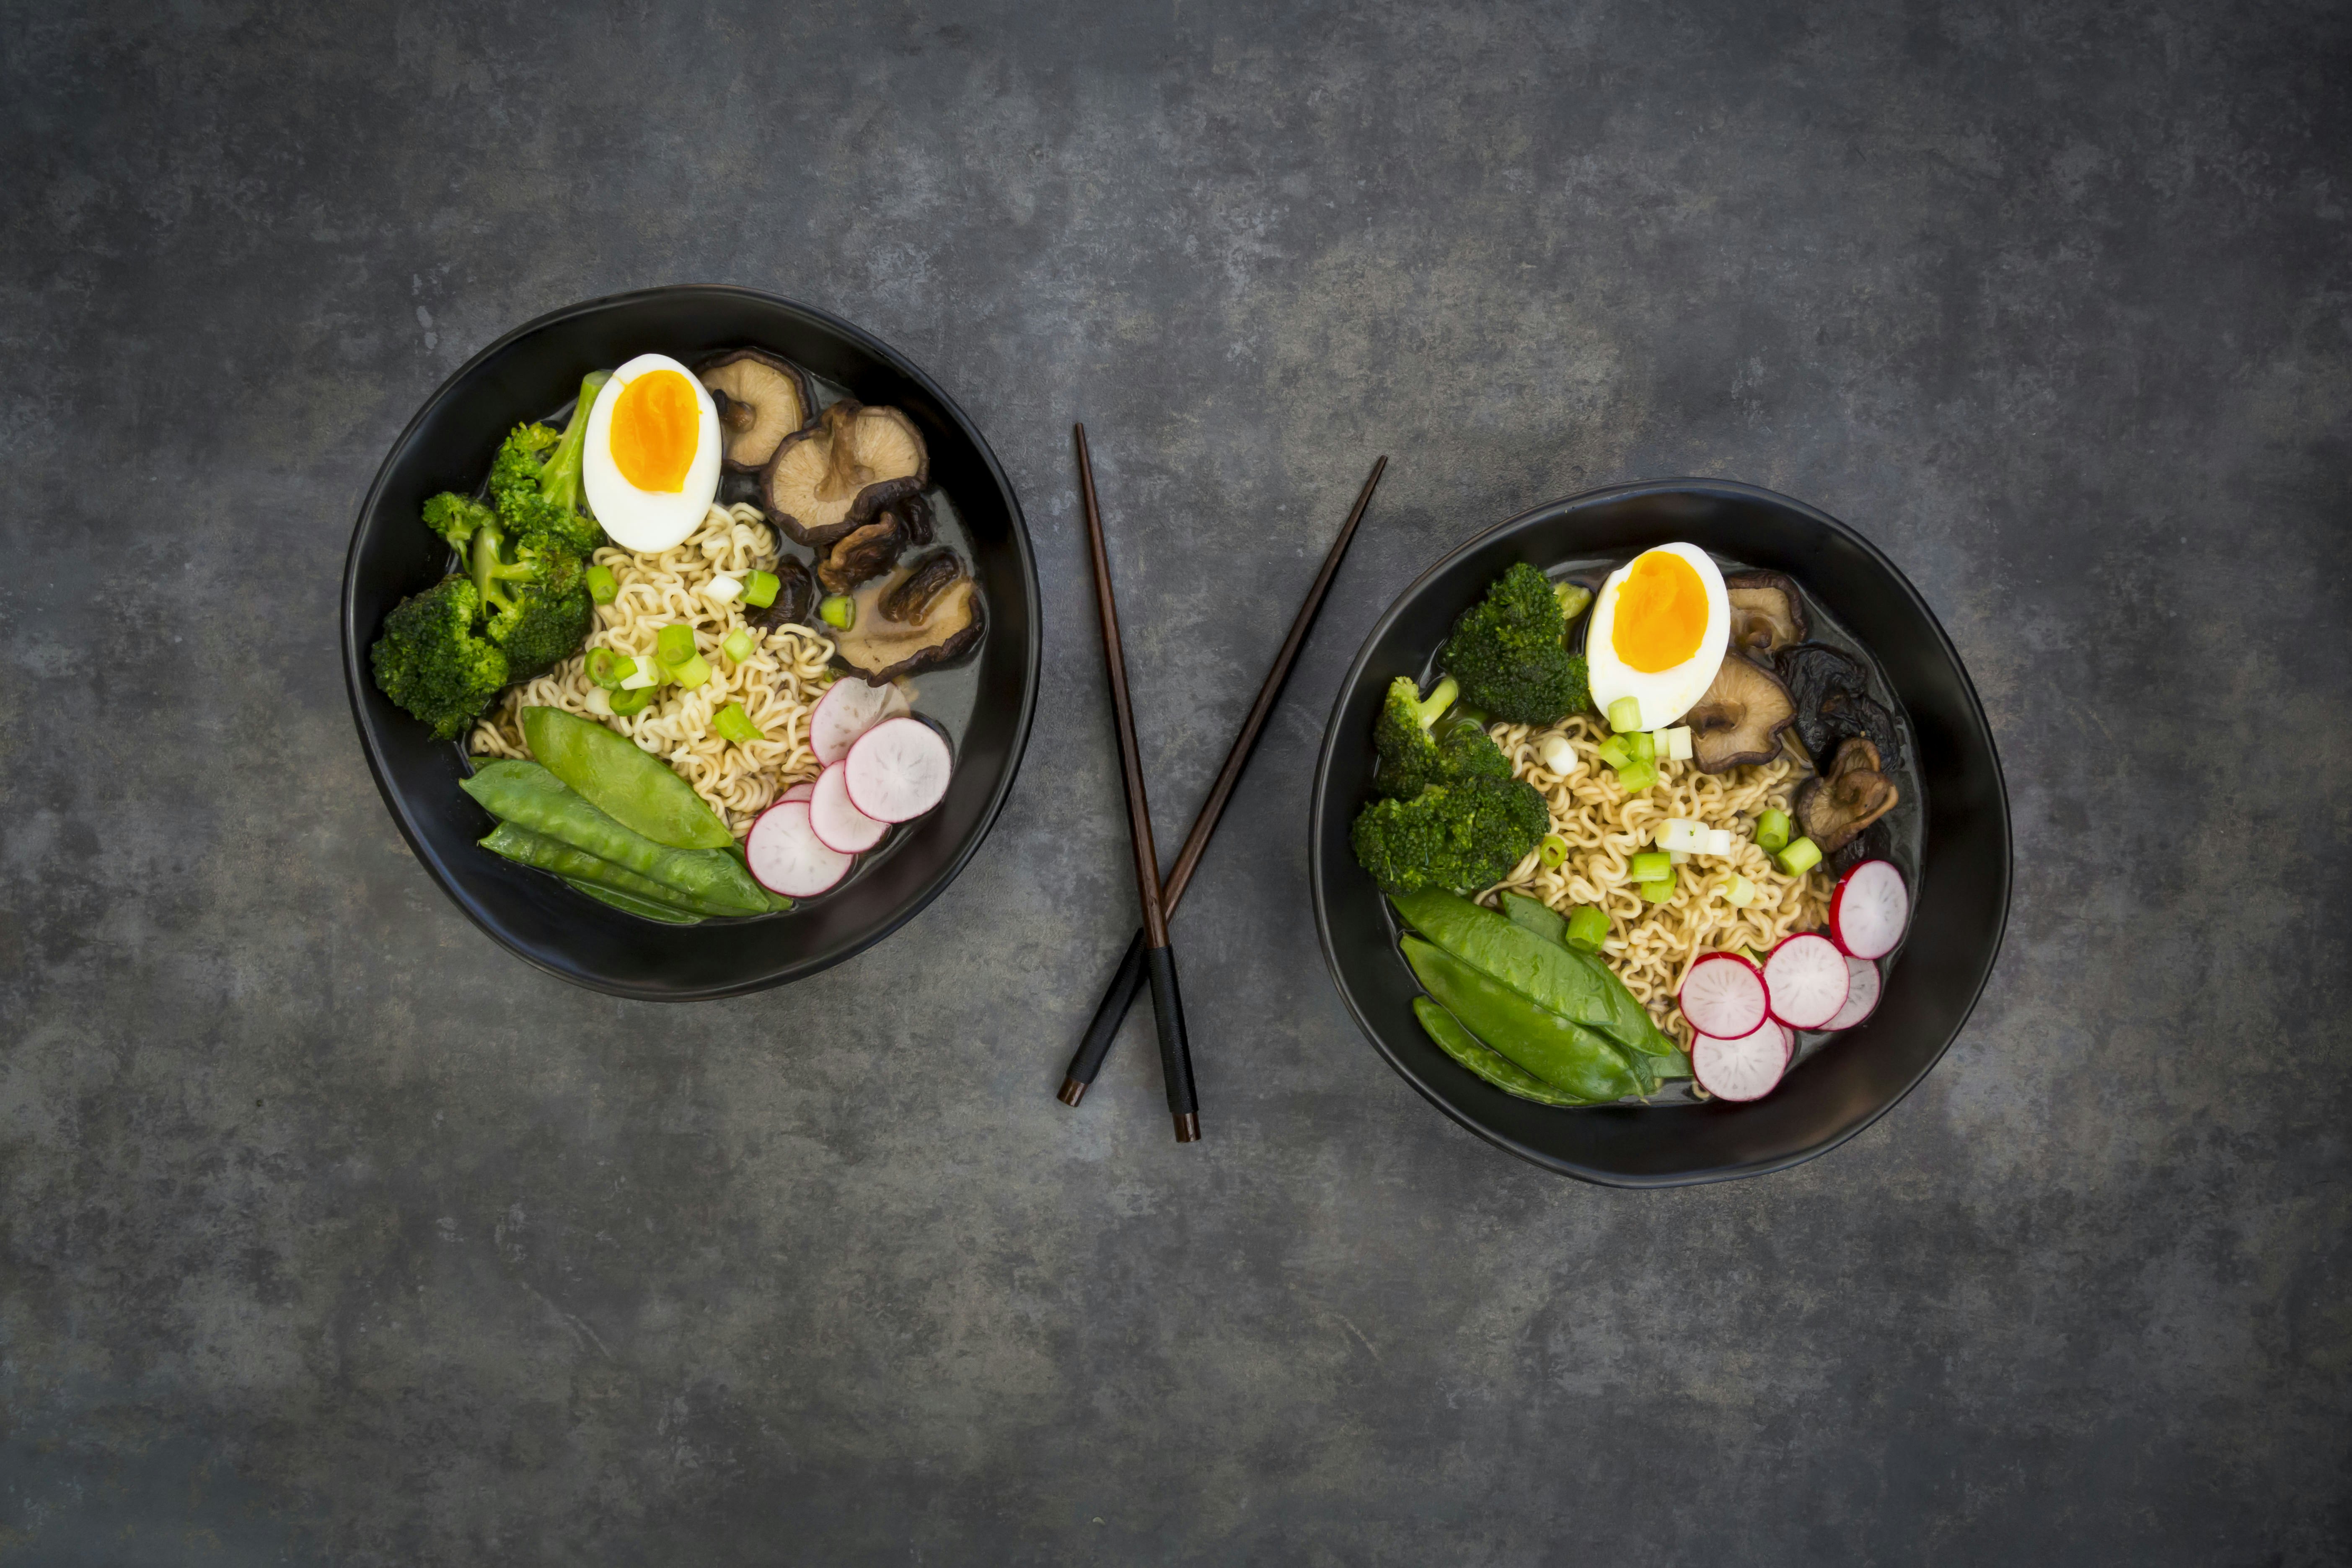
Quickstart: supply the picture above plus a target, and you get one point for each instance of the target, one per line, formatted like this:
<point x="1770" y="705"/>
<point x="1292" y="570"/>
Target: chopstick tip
<point x="1072" y="1092"/>
<point x="1188" y="1127"/>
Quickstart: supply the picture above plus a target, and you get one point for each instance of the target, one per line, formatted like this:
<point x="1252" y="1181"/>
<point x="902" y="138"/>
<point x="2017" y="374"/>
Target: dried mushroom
<point x="826" y="481"/>
<point x="873" y="548"/>
<point x="1740" y="719"/>
<point x="1814" y="671"/>
<point x="1768" y="613"/>
<point x="795" y="601"/>
<point x="1835" y="805"/>
<point x="1844" y="713"/>
<point x="926" y="613"/>
<point x="761" y="399"/>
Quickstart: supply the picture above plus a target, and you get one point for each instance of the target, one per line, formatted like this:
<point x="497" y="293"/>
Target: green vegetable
<point x="1506" y="652"/>
<point x="838" y="611"/>
<point x="1485" y="1061"/>
<point x="1651" y="865"/>
<point x="1588" y="928"/>
<point x="1657" y="890"/>
<point x="545" y="852"/>
<point x="739" y="645"/>
<point x="1625" y="715"/>
<point x="674" y="644"/>
<point x="540" y="500"/>
<point x="636" y="790"/>
<point x="692" y="673"/>
<point x="1468" y="834"/>
<point x="1563" y="1054"/>
<point x="526" y="795"/>
<point x="1801" y="857"/>
<point x="733" y="724"/>
<point x="1574" y="600"/>
<point x="1420" y="745"/>
<point x="430" y="662"/>
<point x="1645" y="746"/>
<point x="1554" y="850"/>
<point x="1617" y="751"/>
<point x="456" y="518"/>
<point x="1739" y="891"/>
<point x="1772" y="832"/>
<point x="1534" y="915"/>
<point x="1636" y="776"/>
<point x="644" y="907"/>
<point x="759" y="589"/>
<point x="608" y="668"/>
<point x="631" y="700"/>
<point x="542" y="622"/>
<point x="602" y="586"/>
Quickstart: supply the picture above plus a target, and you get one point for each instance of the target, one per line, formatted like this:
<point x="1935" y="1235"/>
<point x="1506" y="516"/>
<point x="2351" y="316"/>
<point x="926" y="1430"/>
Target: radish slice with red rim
<point x="787" y="857"/>
<point x="897" y="769"/>
<point x="1806" y="977"/>
<point x="847" y="709"/>
<point x="1744" y="1068"/>
<point x="1862" y="985"/>
<point x="800" y="790"/>
<point x="1870" y="908"/>
<point x="836" y="822"/>
<point x="1723" y="995"/>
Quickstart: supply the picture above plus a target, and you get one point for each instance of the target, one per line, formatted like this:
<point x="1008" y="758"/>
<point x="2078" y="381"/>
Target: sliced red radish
<point x="847" y="709"/>
<point x="800" y="790"/>
<point x="1723" y="995"/>
<point x="1806" y="977"/>
<point x="1788" y="1043"/>
<point x="1744" y="1068"/>
<point x="897" y="769"/>
<point x="1870" y="908"/>
<point x="788" y="857"/>
<point x="836" y="821"/>
<point x="1860" y="993"/>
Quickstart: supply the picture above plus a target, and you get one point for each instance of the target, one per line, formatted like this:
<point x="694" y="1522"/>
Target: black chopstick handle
<point x="1125" y="987"/>
<point x="1175" y="1054"/>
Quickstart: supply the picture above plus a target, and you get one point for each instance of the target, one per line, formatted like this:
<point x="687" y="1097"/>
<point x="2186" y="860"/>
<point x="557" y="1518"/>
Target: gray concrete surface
<point x="331" y="1234"/>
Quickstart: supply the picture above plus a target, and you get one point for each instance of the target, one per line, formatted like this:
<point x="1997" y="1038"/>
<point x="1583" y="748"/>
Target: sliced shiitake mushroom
<point x="1740" y="719"/>
<point x="1834" y="806"/>
<point x="761" y="399"/>
<point x="873" y="548"/>
<point x="795" y="601"/>
<point x="1814" y="671"/>
<point x="1842" y="713"/>
<point x="1768" y="613"/>
<point x="826" y="481"/>
<point x="926" y="613"/>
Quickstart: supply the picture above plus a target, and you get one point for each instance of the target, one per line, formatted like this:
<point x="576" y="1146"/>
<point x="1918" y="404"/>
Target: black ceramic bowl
<point x="527" y="375"/>
<point x="1959" y="900"/>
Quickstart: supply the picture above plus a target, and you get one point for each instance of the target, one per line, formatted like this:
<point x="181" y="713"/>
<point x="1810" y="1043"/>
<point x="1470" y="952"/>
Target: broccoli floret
<point x="542" y="621"/>
<point x="430" y="661"/>
<point x="456" y="517"/>
<point x="1418" y="748"/>
<point x="1506" y="652"/>
<point x="1461" y="836"/>
<point x="540" y="498"/>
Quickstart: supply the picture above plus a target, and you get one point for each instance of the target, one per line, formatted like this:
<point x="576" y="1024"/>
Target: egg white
<point x="649" y="521"/>
<point x="1666" y="695"/>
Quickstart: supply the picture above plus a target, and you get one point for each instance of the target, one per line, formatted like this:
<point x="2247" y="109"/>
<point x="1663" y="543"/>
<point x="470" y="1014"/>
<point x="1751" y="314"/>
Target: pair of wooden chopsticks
<point x="1149" y="955"/>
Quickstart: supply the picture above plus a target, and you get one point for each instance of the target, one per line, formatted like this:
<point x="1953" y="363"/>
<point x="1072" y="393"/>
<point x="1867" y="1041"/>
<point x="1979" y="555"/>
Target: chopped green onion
<point x="1674" y="743"/>
<point x="1772" y="832"/>
<point x="1625" y="714"/>
<point x="608" y="669"/>
<point x="1739" y="892"/>
<point x="739" y="645"/>
<point x="760" y="588"/>
<point x="598" y="702"/>
<point x="674" y="645"/>
<point x="736" y="725"/>
<point x="643" y="675"/>
<point x="1679" y="856"/>
<point x="1644" y="744"/>
<point x="1574" y="599"/>
<point x="1553" y="851"/>
<point x="838" y="611"/>
<point x="692" y="673"/>
<point x="602" y="586"/>
<point x="1679" y="833"/>
<point x="1588" y="928"/>
<point x="1800" y="856"/>
<point x="1636" y="776"/>
<point x="1616" y="751"/>
<point x="1653" y="866"/>
<point x="631" y="700"/>
<point x="722" y="589"/>
<point x="1657" y="892"/>
<point x="1558" y="756"/>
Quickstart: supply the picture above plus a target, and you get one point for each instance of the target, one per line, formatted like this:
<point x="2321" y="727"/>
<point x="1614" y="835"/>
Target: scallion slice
<point x="1588" y="928"/>
<point x="739" y="645"/>
<point x="1772" y="832"/>
<point x="760" y="588"/>
<point x="1800" y="856"/>
<point x="734" y="724"/>
<point x="674" y="645"/>
<point x="692" y="673"/>
<point x="1652" y="866"/>
<point x="602" y="586"/>
<point x="1625" y="714"/>
<point x="1552" y="852"/>
<point x="1636" y="776"/>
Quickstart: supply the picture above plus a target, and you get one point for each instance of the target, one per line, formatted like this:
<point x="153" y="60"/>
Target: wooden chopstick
<point x="1128" y="983"/>
<point x="1159" y="961"/>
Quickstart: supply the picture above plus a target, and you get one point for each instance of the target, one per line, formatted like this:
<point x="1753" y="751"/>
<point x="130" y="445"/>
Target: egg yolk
<point x="1661" y="612"/>
<point x="655" y="425"/>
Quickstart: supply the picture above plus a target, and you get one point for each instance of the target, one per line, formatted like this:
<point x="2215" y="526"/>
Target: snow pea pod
<point x="525" y="847"/>
<point x="1485" y="1061"/>
<point x="529" y="797"/>
<point x="639" y="791"/>
<point x="1534" y="915"/>
<point x="1563" y="1054"/>
<point x="643" y="908"/>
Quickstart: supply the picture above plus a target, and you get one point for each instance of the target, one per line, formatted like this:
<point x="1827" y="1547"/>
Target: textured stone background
<point x="330" y="1233"/>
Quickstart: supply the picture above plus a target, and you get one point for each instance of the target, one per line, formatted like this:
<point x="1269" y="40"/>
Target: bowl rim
<point x="1319" y="791"/>
<point x="354" y="643"/>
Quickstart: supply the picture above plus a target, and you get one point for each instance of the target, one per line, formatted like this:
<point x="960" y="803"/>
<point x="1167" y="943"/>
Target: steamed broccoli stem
<point x="559" y="481"/>
<point x="490" y="567"/>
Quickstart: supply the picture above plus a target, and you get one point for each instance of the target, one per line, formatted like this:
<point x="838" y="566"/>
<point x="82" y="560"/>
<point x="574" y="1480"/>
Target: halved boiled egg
<point x="1659" y="627"/>
<point x="650" y="465"/>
